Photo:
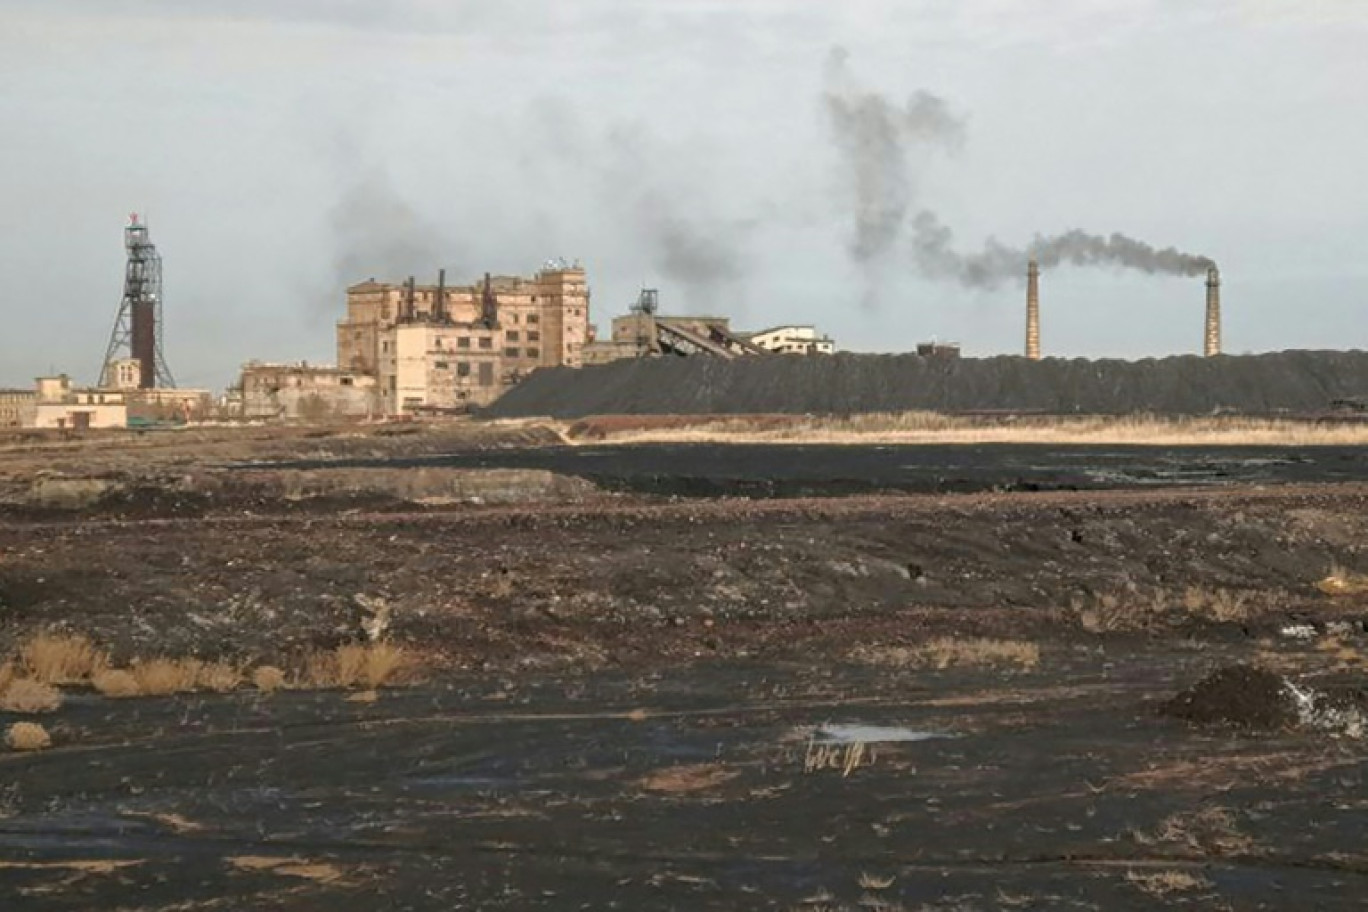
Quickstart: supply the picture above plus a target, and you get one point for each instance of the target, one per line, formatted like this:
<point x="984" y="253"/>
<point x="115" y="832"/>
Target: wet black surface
<point x="1062" y="789"/>
<point x="766" y="470"/>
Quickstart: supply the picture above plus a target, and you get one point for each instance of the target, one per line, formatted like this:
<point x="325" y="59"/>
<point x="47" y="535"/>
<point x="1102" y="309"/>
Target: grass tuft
<point x="27" y="736"/>
<point x="26" y="695"/>
<point x="352" y="665"/>
<point x="1166" y="883"/>
<point x="61" y="658"/>
<point x="268" y="679"/>
<point x="220" y="677"/>
<point x="947" y="652"/>
<point x="116" y="683"/>
<point x="164" y="677"/>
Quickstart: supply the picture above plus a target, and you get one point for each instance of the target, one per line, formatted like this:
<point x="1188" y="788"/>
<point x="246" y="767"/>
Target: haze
<point x="282" y="150"/>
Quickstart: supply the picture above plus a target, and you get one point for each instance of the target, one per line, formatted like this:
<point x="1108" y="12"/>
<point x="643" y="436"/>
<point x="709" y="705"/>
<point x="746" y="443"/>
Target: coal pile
<point x="1277" y="383"/>
<point x="1239" y="696"/>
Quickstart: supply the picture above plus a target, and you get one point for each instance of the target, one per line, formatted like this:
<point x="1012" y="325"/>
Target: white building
<point x="794" y="340"/>
<point x="60" y="405"/>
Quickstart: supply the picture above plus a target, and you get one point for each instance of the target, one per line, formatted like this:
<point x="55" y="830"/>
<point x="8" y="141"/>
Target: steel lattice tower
<point x="138" y="327"/>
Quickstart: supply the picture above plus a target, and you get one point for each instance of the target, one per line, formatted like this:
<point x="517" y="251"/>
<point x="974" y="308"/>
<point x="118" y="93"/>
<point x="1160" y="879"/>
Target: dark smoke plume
<point x="936" y="257"/>
<point x="877" y="140"/>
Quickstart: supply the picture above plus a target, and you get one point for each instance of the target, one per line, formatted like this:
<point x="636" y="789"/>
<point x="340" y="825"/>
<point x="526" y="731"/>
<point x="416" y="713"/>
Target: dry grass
<point x="691" y="778"/>
<point x="871" y="882"/>
<point x="61" y="658"/>
<point x="268" y="679"/>
<point x="1221" y="605"/>
<point x="116" y="683"/>
<point x="28" y="696"/>
<point x="7" y="674"/>
<point x="164" y="677"/>
<point x="27" y="736"/>
<point x="352" y="665"/>
<point x="948" y="652"/>
<point x="1206" y="832"/>
<point x="1108" y="612"/>
<point x="1166" y="883"/>
<point x="844" y="757"/>
<point x="930" y="427"/>
<point x="219" y="677"/>
<point x="319" y="872"/>
<point x="1343" y="582"/>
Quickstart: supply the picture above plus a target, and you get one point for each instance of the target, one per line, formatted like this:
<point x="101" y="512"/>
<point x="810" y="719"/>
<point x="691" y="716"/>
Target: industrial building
<point x="306" y="391"/>
<point x="55" y="403"/>
<point x="435" y="348"/>
<point x="644" y="331"/>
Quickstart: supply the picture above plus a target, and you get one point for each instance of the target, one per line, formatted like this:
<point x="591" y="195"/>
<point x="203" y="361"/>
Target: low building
<point x="17" y="407"/>
<point x="305" y="392"/>
<point x="60" y="405"/>
<point x="793" y="340"/>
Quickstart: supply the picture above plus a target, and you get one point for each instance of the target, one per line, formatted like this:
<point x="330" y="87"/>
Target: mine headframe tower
<point x="138" y="326"/>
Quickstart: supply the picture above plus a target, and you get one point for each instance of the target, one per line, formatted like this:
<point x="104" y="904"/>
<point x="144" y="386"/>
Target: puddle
<point x="872" y="734"/>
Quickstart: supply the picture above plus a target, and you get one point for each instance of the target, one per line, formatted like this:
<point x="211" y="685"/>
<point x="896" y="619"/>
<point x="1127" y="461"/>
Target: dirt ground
<point x="623" y="700"/>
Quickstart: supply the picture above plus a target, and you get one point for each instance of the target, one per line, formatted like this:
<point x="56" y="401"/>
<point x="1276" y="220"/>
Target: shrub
<point x="27" y="736"/>
<point x="268" y="678"/>
<point x="116" y="683"/>
<point x="163" y="677"/>
<point x="61" y="658"/>
<point x="28" y="696"/>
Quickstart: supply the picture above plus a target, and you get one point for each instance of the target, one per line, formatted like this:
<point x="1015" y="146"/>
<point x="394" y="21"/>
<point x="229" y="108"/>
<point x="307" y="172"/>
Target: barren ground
<point x="618" y="690"/>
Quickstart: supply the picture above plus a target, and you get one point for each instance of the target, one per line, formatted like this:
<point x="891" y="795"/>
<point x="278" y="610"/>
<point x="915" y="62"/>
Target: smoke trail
<point x="936" y="257"/>
<point x="877" y="140"/>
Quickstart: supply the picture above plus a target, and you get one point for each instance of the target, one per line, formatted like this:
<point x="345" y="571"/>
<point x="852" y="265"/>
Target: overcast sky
<point x="283" y="149"/>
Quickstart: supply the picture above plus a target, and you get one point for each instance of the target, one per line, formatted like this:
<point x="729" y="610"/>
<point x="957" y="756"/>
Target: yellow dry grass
<point x="26" y="695"/>
<point x="948" y="652"/>
<point x="689" y="778"/>
<point x="61" y="658"/>
<point x="268" y="679"/>
<point x="1342" y="582"/>
<point x="116" y="683"/>
<point x="7" y="674"/>
<point x="1166" y="883"/>
<point x="319" y="872"/>
<point x="164" y="677"/>
<point x="27" y="736"/>
<point x="930" y="427"/>
<point x="844" y="757"/>
<point x="1221" y="605"/>
<point x="220" y="677"/>
<point x="370" y="666"/>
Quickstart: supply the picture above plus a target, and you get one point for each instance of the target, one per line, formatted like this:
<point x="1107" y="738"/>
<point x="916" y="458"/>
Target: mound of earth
<point x="1290" y="381"/>
<point x="1240" y="695"/>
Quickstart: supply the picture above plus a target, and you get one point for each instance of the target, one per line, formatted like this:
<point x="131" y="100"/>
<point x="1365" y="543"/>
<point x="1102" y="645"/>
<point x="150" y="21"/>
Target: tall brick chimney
<point x="1212" y="346"/>
<point x="1033" y="311"/>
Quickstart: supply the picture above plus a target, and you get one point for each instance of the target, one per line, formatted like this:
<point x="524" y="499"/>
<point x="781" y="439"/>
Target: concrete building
<point x="307" y="392"/>
<point x="794" y="340"/>
<point x="17" y="407"/>
<point x="60" y="405"/>
<point x="434" y="347"/>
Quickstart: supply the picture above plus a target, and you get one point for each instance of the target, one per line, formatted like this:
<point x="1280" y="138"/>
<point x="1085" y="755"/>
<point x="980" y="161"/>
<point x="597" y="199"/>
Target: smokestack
<point x="489" y="305"/>
<point x="408" y="300"/>
<point x="439" y="306"/>
<point x="1033" y="311"/>
<point x="1212" y="347"/>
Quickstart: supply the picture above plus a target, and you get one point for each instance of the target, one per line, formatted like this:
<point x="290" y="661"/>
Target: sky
<point x="283" y="149"/>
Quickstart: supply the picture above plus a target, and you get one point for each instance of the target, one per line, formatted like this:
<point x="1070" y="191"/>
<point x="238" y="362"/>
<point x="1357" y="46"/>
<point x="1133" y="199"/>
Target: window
<point x="486" y="342"/>
<point x="441" y="366"/>
<point x="534" y="353"/>
<point x="347" y="381"/>
<point x="533" y="319"/>
<point x="510" y="353"/>
<point x="512" y="335"/>
<point x="463" y="342"/>
<point x="534" y="336"/>
<point x="486" y="374"/>
<point x="463" y="368"/>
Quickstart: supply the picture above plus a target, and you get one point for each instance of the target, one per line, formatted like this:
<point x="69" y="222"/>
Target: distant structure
<point x="439" y="348"/>
<point x="137" y="330"/>
<point x="646" y="332"/>
<point x="1212" y="338"/>
<point x="1033" y="311"/>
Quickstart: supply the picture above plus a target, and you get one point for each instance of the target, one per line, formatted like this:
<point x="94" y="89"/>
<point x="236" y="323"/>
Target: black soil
<point x="1241" y="696"/>
<point x="1292" y="381"/>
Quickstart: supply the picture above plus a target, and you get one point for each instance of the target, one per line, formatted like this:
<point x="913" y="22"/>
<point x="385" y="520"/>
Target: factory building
<point x="434" y="348"/>
<point x="305" y="391"/>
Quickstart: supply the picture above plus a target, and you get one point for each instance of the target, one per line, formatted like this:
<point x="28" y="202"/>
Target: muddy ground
<point x="618" y="692"/>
